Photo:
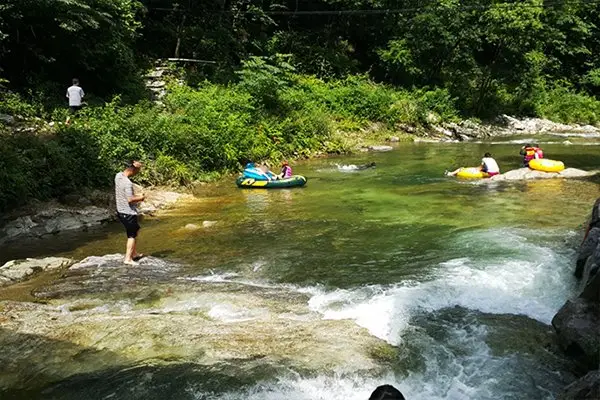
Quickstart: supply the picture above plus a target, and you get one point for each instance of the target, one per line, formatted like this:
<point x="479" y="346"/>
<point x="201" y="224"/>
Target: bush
<point x="564" y="105"/>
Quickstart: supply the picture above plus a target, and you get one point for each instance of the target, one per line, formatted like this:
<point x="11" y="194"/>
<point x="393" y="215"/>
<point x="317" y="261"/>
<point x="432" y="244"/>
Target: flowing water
<point x="458" y="281"/>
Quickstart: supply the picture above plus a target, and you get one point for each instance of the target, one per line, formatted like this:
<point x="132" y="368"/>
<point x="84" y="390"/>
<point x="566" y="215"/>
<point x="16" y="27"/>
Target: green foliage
<point x="264" y="78"/>
<point x="54" y="40"/>
<point x="14" y="104"/>
<point x="568" y="106"/>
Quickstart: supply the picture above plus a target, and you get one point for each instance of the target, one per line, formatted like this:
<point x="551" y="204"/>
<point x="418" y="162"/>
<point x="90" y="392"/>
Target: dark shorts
<point x="131" y="224"/>
<point x="75" y="109"/>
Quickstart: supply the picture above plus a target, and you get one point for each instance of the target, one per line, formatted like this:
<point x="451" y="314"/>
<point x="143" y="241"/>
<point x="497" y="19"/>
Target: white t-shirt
<point x="490" y="165"/>
<point x="75" y="94"/>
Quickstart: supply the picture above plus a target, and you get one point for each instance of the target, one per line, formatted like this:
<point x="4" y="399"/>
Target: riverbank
<point x="200" y="133"/>
<point x="76" y="212"/>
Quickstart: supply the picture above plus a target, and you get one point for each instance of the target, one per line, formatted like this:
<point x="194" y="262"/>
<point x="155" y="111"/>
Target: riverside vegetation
<point x="279" y="83"/>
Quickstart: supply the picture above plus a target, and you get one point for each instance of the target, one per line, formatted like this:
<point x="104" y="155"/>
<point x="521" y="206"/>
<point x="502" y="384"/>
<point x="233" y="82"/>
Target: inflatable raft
<point x="471" y="173"/>
<point x="294" y="181"/>
<point x="546" y="165"/>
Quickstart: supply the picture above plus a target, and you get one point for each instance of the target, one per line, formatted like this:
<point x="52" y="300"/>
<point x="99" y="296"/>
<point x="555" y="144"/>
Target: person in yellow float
<point x="488" y="165"/>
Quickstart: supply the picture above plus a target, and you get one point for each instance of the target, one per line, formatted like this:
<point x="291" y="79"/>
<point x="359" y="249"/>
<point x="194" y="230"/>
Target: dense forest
<point x="274" y="78"/>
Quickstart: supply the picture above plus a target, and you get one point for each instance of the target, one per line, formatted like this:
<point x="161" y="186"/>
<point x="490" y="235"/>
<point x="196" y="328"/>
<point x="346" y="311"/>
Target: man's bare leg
<point x="130" y="250"/>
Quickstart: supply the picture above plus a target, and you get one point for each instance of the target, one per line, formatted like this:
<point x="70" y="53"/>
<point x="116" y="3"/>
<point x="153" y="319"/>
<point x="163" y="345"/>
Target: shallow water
<point x="460" y="277"/>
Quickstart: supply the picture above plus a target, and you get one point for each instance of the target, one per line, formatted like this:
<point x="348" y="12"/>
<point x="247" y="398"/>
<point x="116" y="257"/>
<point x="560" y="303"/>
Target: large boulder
<point x="586" y="388"/>
<point x="577" y="325"/>
<point x="18" y="270"/>
<point x="587" y="249"/>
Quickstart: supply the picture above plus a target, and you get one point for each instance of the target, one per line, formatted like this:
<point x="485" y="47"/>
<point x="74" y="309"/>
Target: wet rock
<point x="394" y="139"/>
<point x="588" y="248"/>
<point x="107" y="274"/>
<point x="208" y="224"/>
<point x="586" y="388"/>
<point x="18" y="270"/>
<point x="152" y="314"/>
<point x="577" y="325"/>
<point x="380" y="148"/>
<point x="526" y="173"/>
<point x="591" y="290"/>
<point x="192" y="227"/>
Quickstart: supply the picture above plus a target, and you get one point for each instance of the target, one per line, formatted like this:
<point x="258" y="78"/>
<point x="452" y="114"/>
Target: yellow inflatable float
<point x="546" y="165"/>
<point x="471" y="173"/>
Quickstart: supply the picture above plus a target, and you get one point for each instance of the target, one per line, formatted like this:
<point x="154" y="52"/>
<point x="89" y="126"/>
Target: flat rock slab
<point x="526" y="173"/>
<point x="18" y="270"/>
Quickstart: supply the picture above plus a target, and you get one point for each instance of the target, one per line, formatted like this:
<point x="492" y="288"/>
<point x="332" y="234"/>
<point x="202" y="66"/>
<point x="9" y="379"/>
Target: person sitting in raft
<point x="286" y="171"/>
<point x="530" y="152"/>
<point x="488" y="165"/>
<point x="539" y="153"/>
<point x="259" y="173"/>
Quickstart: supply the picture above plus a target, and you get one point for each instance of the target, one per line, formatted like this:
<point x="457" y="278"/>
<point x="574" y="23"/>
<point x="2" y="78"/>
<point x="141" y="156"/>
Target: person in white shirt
<point x="75" y="95"/>
<point x="488" y="165"/>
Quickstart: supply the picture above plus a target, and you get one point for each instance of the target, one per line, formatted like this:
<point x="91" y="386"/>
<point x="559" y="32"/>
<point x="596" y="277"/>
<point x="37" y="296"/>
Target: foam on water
<point x="530" y="280"/>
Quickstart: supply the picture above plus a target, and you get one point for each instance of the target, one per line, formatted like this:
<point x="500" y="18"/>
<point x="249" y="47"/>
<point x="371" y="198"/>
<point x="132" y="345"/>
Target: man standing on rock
<point x="126" y="209"/>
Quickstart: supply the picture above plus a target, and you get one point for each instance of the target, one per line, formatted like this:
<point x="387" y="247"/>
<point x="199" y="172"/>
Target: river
<point x="396" y="274"/>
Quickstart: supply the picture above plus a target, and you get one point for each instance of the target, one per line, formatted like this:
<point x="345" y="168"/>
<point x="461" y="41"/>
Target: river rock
<point x="17" y="270"/>
<point x="53" y="220"/>
<point x="394" y="139"/>
<point x="577" y="325"/>
<point x="380" y="148"/>
<point x="7" y="119"/>
<point x="526" y="173"/>
<point x="191" y="227"/>
<point x="586" y="388"/>
<point x="591" y="290"/>
<point x="587" y="249"/>
<point x="537" y="125"/>
<point x="208" y="224"/>
<point x="157" y="200"/>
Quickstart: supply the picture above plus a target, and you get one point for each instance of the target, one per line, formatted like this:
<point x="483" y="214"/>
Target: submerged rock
<point x="586" y="388"/>
<point x="18" y="270"/>
<point x="209" y="224"/>
<point x="380" y="148"/>
<point x="526" y="173"/>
